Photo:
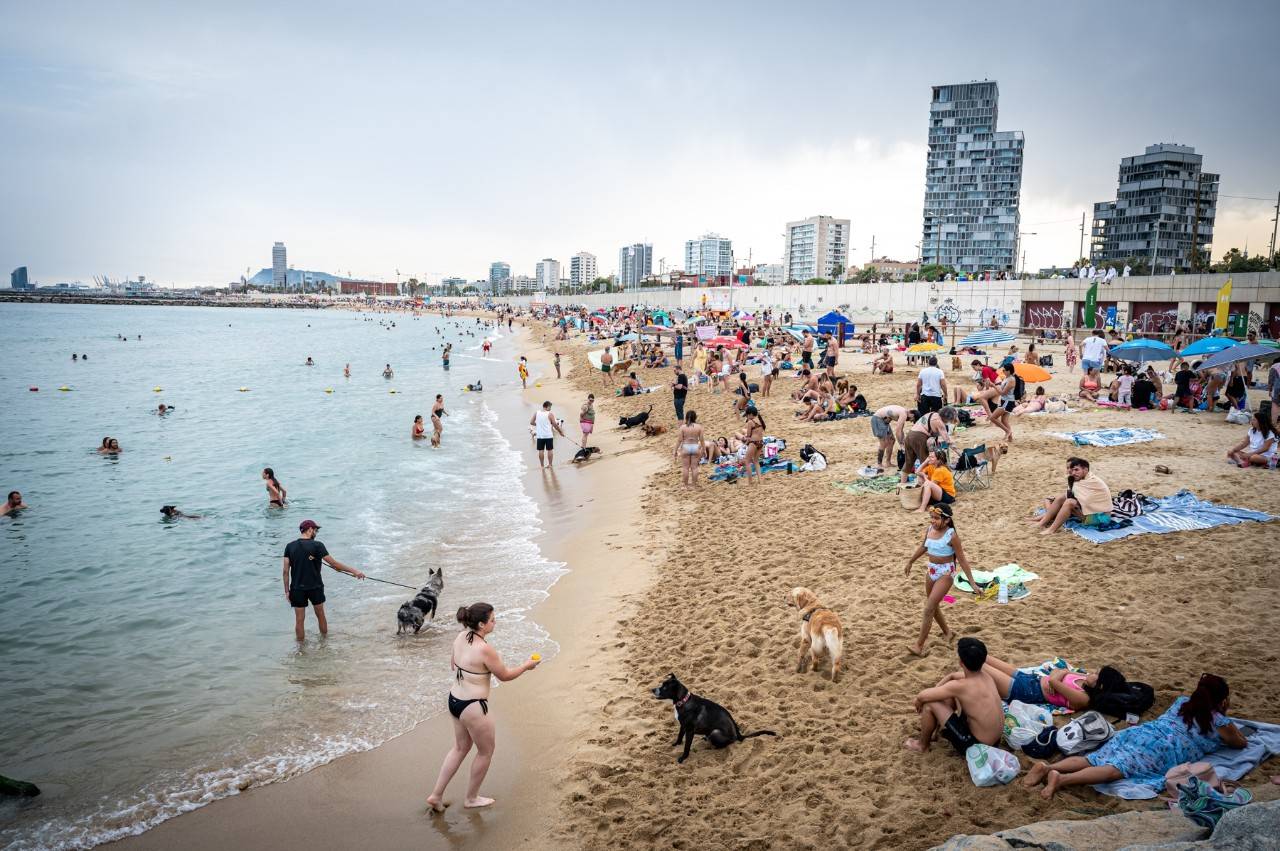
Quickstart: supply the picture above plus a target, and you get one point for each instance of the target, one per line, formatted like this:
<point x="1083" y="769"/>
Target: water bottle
<point x="1003" y="596"/>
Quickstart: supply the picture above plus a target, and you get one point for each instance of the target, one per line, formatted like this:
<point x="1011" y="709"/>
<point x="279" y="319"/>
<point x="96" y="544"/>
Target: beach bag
<point x="909" y="495"/>
<point x="1127" y="504"/>
<point x="1019" y="388"/>
<point x="1055" y="406"/>
<point x="964" y="418"/>
<point x="1238" y="416"/>
<point x="1180" y="775"/>
<point x="1045" y="744"/>
<point x="1023" y="722"/>
<point x="1046" y="360"/>
<point x="817" y="461"/>
<point x="807" y="451"/>
<point x="1084" y="734"/>
<point x="1205" y="805"/>
<point x="990" y="766"/>
<point x="1131" y="698"/>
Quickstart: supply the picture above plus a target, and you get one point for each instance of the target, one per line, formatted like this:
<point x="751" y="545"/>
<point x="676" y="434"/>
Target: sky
<point x="179" y="141"/>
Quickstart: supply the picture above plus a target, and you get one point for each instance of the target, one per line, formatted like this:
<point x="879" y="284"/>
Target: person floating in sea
<point x="303" y="583"/>
<point x="437" y="425"/>
<point x="473" y="663"/>
<point x="110" y="446"/>
<point x="163" y="409"/>
<point x="74" y="356"/>
<point x="171" y="512"/>
<point x="545" y="428"/>
<point x="309" y="362"/>
<point x="419" y="430"/>
<point x="276" y="493"/>
<point x="13" y="503"/>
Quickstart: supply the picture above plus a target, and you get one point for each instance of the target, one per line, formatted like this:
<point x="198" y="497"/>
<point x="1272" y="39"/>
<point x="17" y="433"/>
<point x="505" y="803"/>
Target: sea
<point x="149" y="665"/>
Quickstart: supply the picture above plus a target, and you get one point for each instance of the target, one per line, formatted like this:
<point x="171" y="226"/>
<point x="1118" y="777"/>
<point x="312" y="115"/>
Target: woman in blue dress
<point x="1189" y="729"/>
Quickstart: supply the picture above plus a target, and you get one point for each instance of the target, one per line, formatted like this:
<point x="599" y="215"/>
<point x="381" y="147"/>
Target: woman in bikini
<point x="689" y="449"/>
<point x="473" y="662"/>
<point x="753" y="436"/>
<point x="276" y="494"/>
<point x="437" y="425"/>
<point x="942" y="544"/>
<point x="419" y="430"/>
<point x="999" y="415"/>
<point x="1090" y="384"/>
<point x="1062" y="688"/>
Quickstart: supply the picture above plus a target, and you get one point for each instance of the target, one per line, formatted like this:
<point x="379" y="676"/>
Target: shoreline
<point x="376" y="797"/>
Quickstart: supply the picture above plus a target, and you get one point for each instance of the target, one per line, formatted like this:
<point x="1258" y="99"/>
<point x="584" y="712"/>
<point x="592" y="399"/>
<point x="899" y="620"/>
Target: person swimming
<point x="171" y="512"/>
<point x="276" y="493"/>
<point x="475" y="388"/>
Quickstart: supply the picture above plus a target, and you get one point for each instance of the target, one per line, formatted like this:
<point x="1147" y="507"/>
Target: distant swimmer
<point x="84" y="357"/>
<point x="163" y="409"/>
<point x="485" y="348"/>
<point x="346" y="371"/>
<point x="387" y="372"/>
<point x="309" y="362"/>
<point x="13" y="503"/>
<point x="475" y="388"/>
<point x="171" y="512"/>
<point x="276" y="493"/>
<point x="437" y="411"/>
<point x="110" y="446"/>
<point x="419" y="430"/>
<point x="303" y="583"/>
<point x="444" y="355"/>
<point x="75" y="356"/>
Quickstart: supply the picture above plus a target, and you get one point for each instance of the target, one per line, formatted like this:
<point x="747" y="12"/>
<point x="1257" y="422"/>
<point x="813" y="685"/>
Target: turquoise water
<point x="149" y="666"/>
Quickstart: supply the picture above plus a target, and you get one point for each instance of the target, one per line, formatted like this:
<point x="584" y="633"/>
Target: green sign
<point x="1091" y="307"/>
<point x="1238" y="324"/>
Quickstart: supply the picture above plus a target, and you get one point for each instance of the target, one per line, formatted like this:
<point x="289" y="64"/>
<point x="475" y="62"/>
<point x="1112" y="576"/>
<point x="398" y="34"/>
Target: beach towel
<point x="1109" y="436"/>
<point x="1181" y="512"/>
<point x="1011" y="574"/>
<point x="887" y="483"/>
<point x="1056" y="413"/>
<point x="1046" y="668"/>
<point x="1229" y="763"/>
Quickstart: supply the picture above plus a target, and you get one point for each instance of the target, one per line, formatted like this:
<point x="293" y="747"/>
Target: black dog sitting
<point x="585" y="454"/>
<point x="635" y="419"/>
<point x="701" y="717"/>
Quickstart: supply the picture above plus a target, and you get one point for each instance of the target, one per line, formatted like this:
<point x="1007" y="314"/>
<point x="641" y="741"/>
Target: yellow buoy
<point x="393" y="392"/>
<point x="157" y="389"/>
<point x="328" y="389"/>
<point x="537" y="384"/>
<point x="244" y="390"/>
<point x="168" y="457"/>
<point x="64" y="388"/>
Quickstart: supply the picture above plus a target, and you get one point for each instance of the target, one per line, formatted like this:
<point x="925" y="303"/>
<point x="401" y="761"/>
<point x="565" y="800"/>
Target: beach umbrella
<point x="1207" y="346"/>
<point x="989" y="337"/>
<point x="1272" y="343"/>
<point x="1030" y="373"/>
<point x="1235" y="354"/>
<point x="922" y="348"/>
<point x="1143" y="350"/>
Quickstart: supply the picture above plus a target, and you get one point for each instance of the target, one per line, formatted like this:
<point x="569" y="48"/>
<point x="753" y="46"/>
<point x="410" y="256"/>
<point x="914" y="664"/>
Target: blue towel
<point x="1110" y="436"/>
<point x="1229" y="763"/>
<point x="1183" y="511"/>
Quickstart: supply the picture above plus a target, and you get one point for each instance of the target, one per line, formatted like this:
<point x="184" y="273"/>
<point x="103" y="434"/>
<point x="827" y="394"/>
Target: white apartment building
<point x="582" y="270"/>
<point x="709" y="254"/>
<point x="772" y="274"/>
<point x="524" y="285"/>
<point x="547" y="274"/>
<point x="815" y="248"/>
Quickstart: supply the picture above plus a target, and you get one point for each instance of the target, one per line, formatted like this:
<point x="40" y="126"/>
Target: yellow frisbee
<point x="536" y="657"/>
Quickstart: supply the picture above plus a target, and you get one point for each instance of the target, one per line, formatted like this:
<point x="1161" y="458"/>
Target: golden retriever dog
<point x="820" y="632"/>
<point x="651" y="430"/>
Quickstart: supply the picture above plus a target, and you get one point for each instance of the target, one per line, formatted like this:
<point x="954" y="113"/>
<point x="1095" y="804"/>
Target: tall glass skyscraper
<point x="279" y="266"/>
<point x="635" y="263"/>
<point x="973" y="181"/>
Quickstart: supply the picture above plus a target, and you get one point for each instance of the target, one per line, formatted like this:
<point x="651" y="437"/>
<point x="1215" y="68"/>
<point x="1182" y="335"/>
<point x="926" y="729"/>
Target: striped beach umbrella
<point x="988" y="337"/>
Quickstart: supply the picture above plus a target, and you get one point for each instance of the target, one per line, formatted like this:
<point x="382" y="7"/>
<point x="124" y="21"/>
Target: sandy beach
<point x="695" y="582"/>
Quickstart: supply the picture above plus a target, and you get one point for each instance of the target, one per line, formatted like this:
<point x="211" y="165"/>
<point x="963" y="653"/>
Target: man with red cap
<point x="302" y="580"/>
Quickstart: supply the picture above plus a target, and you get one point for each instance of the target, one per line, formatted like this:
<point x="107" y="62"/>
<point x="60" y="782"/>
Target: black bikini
<point x="456" y="705"/>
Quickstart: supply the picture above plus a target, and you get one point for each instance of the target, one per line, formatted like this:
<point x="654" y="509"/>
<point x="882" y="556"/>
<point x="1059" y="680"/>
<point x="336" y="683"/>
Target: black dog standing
<point x="698" y="716"/>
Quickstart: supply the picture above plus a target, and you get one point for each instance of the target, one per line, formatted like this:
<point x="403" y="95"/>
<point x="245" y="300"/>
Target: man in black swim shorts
<point x="303" y="583"/>
<point x="965" y="707"/>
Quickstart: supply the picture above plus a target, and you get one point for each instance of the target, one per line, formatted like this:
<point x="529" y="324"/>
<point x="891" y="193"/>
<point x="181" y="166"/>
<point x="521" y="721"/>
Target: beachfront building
<point x="635" y="264"/>
<point x="18" y="279"/>
<point x="894" y="270"/>
<point x="524" y="285"/>
<point x="710" y="257"/>
<point x="1163" y="212"/>
<point x="499" y="277"/>
<point x="973" y="181"/>
<point x="547" y="274"/>
<point x="582" y="270"/>
<point x="770" y="274"/>
<point x="279" y="266"/>
<point x="817" y="247"/>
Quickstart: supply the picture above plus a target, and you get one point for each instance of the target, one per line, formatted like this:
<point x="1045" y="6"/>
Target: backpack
<point x="963" y="417"/>
<point x="1131" y="698"/>
<point x="1084" y="734"/>
<point x="807" y="451"/>
<point x="1019" y="388"/>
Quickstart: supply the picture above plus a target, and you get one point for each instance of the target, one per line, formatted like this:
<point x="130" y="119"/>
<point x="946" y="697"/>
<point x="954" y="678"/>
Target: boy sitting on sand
<point x="965" y="705"/>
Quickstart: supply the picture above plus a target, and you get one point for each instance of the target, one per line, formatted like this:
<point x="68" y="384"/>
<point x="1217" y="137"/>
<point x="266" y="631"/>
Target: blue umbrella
<point x="1239" y="352"/>
<point x="1143" y="350"/>
<point x="988" y="337"/>
<point x="1207" y="346"/>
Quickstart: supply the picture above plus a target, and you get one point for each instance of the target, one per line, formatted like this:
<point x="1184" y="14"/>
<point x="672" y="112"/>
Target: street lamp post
<point x="1017" y="247"/>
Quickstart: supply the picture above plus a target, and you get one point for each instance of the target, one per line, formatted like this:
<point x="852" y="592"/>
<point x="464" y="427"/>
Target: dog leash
<point x="389" y="582"/>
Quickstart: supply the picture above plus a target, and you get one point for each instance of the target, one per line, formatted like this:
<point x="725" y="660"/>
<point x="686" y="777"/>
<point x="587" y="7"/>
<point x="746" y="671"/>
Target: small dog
<point x="820" y="633"/>
<point x="651" y="430"/>
<point x="585" y="453"/>
<point x="994" y="453"/>
<point x="698" y="716"/>
<point x="414" y="613"/>
<point x="635" y="419"/>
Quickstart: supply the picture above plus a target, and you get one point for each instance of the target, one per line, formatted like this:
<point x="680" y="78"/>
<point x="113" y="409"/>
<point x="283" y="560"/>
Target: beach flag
<point x="1224" y="305"/>
<point x="1091" y="307"/>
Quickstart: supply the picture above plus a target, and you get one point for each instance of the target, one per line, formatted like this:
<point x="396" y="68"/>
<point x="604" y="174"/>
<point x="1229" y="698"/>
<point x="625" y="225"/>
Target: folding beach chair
<point x="971" y="469"/>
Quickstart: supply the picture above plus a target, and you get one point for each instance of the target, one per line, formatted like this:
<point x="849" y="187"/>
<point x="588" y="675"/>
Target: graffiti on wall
<point x="1044" y="317"/>
<point x="948" y="312"/>
<point x="1255" y="322"/>
<point x="1156" y="322"/>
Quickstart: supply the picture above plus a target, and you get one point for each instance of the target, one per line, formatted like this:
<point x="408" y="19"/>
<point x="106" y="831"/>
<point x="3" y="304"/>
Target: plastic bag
<point x="1024" y="721"/>
<point x="990" y="766"/>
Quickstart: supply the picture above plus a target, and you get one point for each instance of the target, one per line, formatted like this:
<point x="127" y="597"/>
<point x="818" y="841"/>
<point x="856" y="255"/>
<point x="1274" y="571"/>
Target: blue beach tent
<point x="830" y="323"/>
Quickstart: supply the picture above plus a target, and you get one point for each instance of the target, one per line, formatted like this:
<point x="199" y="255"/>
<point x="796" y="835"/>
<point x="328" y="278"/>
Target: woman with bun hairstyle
<point x="473" y="662"/>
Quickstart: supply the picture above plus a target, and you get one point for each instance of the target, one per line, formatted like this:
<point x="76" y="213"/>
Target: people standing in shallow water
<point x="419" y="430"/>
<point x="346" y="371"/>
<point x="387" y="372"/>
<point x="276" y="493"/>
<point x="437" y="426"/>
<point x="473" y="661"/>
<point x="310" y="362"/>
<point x="304" y="559"/>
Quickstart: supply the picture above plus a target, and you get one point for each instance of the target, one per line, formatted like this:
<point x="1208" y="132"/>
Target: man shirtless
<point x="13" y="503"/>
<point x="965" y="706"/>
<point x="887" y="425"/>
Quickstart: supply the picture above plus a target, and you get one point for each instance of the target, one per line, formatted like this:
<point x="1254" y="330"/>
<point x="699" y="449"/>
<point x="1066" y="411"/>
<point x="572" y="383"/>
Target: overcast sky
<point x="178" y="140"/>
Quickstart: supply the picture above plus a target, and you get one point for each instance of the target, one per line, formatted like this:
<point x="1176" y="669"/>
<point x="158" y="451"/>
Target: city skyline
<point x="220" y="131"/>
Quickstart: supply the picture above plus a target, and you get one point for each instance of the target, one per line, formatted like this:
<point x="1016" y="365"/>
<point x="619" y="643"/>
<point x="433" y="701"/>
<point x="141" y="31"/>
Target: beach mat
<point x="1109" y="436"/>
<point x="879" y="484"/>
<point x="1010" y="574"/>
<point x="1229" y="763"/>
<point x="1181" y="512"/>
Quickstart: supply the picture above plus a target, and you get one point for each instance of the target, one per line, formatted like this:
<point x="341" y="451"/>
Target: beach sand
<point x="696" y="583"/>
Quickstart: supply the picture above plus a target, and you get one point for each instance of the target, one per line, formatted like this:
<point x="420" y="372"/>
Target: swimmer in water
<point x="13" y="503"/>
<point x="110" y="446"/>
<point x="387" y="372"/>
<point x="75" y="356"/>
<point x="419" y="430"/>
<point x="163" y="409"/>
<point x="346" y="371"/>
<point x="448" y="349"/>
<point x="171" y="512"/>
<point x="437" y="411"/>
<point x="276" y="493"/>
<point x="309" y="362"/>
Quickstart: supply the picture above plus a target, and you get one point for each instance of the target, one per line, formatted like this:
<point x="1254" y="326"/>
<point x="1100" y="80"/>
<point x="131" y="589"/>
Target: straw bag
<point x="910" y="496"/>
